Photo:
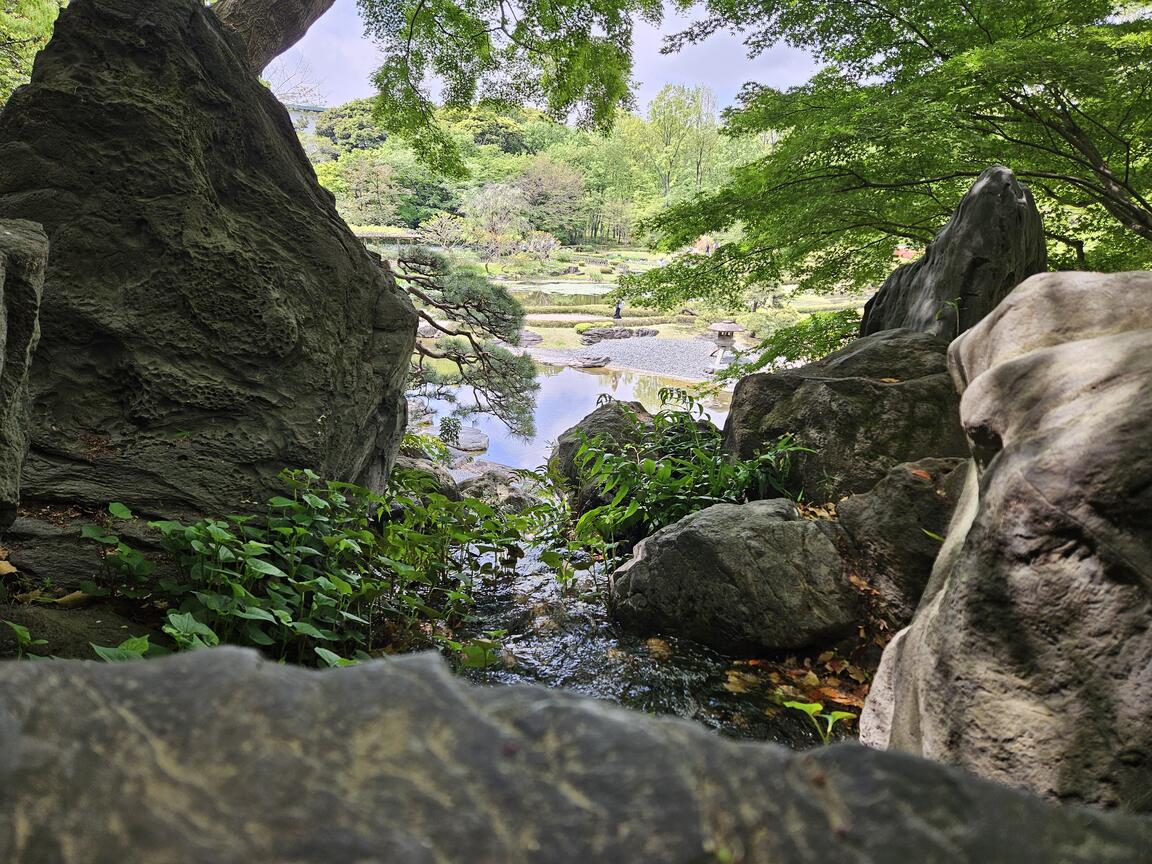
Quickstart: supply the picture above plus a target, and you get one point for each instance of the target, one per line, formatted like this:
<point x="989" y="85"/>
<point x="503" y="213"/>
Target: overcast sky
<point x="343" y="60"/>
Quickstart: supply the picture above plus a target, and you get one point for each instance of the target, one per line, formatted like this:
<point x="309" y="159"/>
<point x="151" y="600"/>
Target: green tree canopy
<point x="25" y="26"/>
<point x="572" y="57"/>
<point x="918" y="97"/>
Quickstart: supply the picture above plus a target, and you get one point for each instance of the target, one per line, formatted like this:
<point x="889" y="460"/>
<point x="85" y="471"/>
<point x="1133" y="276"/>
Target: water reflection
<point x="564" y="398"/>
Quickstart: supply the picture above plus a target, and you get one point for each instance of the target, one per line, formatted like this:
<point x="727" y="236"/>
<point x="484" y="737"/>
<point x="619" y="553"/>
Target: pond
<point x="565" y="397"/>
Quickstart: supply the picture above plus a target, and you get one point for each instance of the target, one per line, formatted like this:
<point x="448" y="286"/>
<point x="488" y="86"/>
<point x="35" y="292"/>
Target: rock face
<point x="739" y="577"/>
<point x="613" y="421"/>
<point x="599" y="334"/>
<point x="891" y="528"/>
<point x="208" y="319"/>
<point x="992" y="243"/>
<point x="437" y="478"/>
<point x="23" y="259"/>
<point x="879" y="401"/>
<point x="499" y="486"/>
<point x="1030" y="657"/>
<point x="215" y="756"/>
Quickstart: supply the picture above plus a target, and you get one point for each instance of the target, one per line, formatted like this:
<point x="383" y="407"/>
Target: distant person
<point x="619" y="313"/>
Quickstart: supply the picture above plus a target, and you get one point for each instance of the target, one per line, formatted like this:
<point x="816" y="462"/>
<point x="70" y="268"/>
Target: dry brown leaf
<point x="6" y="568"/>
<point x="890" y="380"/>
<point x="841" y="697"/>
<point x="76" y="598"/>
<point x="736" y="681"/>
<point x="3" y="554"/>
<point x="658" y="649"/>
<point x="28" y="596"/>
<point x="857" y="674"/>
<point x="923" y="475"/>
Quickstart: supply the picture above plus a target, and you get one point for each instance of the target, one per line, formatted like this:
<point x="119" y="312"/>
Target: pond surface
<point x="565" y="397"/>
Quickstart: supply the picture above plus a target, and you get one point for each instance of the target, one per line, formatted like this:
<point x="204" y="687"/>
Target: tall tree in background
<point x="25" y="26"/>
<point x="919" y="96"/>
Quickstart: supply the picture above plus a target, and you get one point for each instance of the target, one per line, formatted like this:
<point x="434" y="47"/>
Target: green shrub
<point x="813" y="337"/>
<point x="669" y="468"/>
<point x="328" y="571"/>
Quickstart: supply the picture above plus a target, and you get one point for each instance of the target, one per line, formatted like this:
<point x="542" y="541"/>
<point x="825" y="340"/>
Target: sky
<point x="342" y="60"/>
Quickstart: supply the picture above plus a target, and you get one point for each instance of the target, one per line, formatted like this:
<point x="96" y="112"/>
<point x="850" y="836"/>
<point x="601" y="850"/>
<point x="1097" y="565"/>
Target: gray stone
<point x="436" y="476"/>
<point x="218" y="757"/>
<point x="894" y="527"/>
<point x="471" y="440"/>
<point x="616" y="422"/>
<point x="23" y="259"/>
<point x="1029" y="659"/>
<point x="598" y="334"/>
<point x="528" y="338"/>
<point x="739" y="577"/>
<point x="992" y="243"/>
<point x="589" y="361"/>
<point x="501" y="487"/>
<point x="208" y="319"/>
<point x="879" y="401"/>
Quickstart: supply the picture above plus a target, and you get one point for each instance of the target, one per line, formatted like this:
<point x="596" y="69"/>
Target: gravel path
<point x="676" y="358"/>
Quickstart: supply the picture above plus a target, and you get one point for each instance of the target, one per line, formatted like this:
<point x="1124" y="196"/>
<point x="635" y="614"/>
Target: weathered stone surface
<point x="599" y="334"/>
<point x="881" y="400"/>
<point x="500" y="486"/>
<point x="612" y="421"/>
<point x="739" y="577"/>
<point x="892" y="527"/>
<point x="438" y="477"/>
<point x="589" y="361"/>
<point x="23" y="259"/>
<point x="992" y="243"/>
<point x="1030" y="657"/>
<point x="218" y="757"/>
<point x="471" y="439"/>
<point x="208" y="319"/>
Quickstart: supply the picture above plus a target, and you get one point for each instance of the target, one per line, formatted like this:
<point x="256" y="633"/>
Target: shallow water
<point x="565" y="397"/>
<point x="564" y="641"/>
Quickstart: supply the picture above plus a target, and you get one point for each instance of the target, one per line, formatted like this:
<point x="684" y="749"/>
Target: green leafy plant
<point x="668" y="468"/>
<point x="815" y="712"/>
<point x="332" y="567"/>
<point x="134" y="648"/>
<point x="450" y="430"/>
<point x="24" y="639"/>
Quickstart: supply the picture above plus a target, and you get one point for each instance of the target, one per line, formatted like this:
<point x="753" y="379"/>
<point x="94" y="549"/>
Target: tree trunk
<point x="269" y="27"/>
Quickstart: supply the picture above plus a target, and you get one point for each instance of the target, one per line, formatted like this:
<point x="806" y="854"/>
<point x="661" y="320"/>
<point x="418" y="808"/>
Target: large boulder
<point x="217" y="756"/>
<point x="992" y="243"/>
<point x="613" y="422"/>
<point x="739" y="577"/>
<point x="23" y="259"/>
<point x="208" y="318"/>
<point x="1030" y="657"/>
<point x="881" y="400"/>
<point x="895" y="529"/>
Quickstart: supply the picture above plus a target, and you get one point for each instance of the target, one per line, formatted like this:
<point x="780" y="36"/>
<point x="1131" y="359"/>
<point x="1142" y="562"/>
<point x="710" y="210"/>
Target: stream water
<point x="565" y="638"/>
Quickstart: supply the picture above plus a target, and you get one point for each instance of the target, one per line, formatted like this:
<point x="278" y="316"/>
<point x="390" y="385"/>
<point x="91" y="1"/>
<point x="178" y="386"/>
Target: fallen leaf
<point x="736" y="681"/>
<point x="3" y="554"/>
<point x="841" y="697"/>
<point x="836" y="666"/>
<point x="6" y="568"/>
<point x="826" y="657"/>
<point x="890" y="380"/>
<point x="76" y="598"/>
<point x="857" y="674"/>
<point x="658" y="649"/>
<point x="923" y="475"/>
<point x="28" y="597"/>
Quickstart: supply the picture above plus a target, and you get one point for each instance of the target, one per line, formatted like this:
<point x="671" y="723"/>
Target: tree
<point x="540" y="244"/>
<point x="369" y="195"/>
<point x="553" y="195"/>
<point x="269" y="27"/>
<point x="293" y="82"/>
<point x="918" y="98"/>
<point x="351" y="126"/>
<point x="498" y="208"/>
<point x="473" y="316"/>
<point x="447" y="231"/>
<point x="25" y="26"/>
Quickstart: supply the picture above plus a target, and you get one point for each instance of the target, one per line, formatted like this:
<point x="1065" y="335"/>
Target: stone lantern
<point x="725" y="341"/>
